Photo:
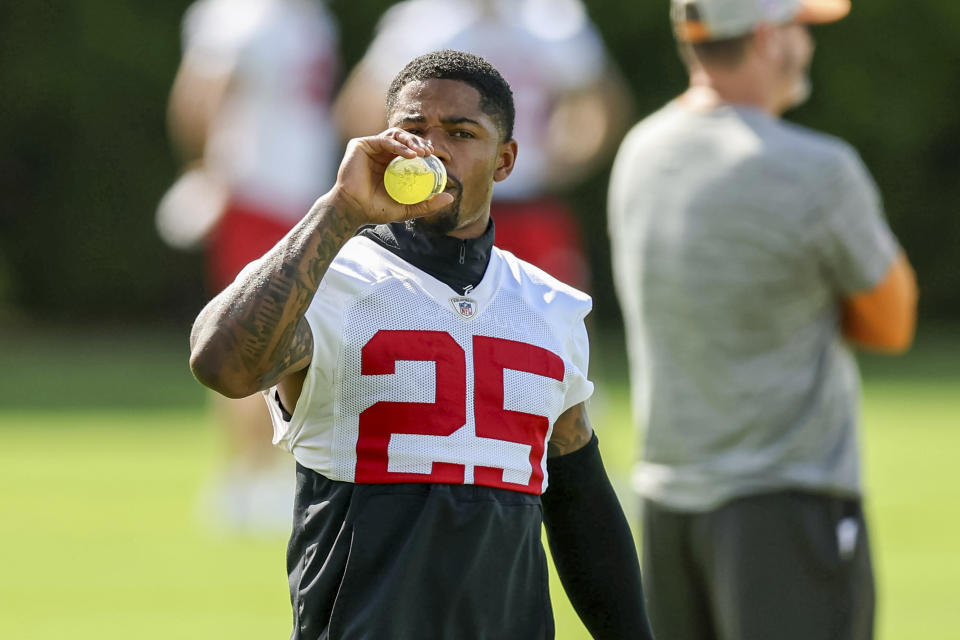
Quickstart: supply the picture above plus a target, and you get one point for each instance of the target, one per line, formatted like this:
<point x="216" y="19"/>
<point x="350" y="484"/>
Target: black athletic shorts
<point x="416" y="562"/>
<point x="777" y="566"/>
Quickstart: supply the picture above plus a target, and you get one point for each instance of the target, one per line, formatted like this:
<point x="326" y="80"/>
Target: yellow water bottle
<point x="413" y="180"/>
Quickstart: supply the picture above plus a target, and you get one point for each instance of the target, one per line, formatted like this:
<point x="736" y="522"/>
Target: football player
<point x="431" y="388"/>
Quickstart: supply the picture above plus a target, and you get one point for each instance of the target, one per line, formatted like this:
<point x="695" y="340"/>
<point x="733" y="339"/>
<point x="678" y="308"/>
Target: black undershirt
<point x="460" y="264"/>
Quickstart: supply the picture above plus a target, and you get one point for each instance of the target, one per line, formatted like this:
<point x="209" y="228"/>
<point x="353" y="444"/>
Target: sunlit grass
<point x="105" y="443"/>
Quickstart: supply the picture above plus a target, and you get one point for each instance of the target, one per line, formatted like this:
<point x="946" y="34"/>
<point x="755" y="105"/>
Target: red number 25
<point x="447" y="413"/>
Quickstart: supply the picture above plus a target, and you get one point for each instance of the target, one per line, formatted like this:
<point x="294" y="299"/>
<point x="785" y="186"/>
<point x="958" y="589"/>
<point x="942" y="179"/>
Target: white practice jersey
<point x="274" y="141"/>
<point x="411" y="382"/>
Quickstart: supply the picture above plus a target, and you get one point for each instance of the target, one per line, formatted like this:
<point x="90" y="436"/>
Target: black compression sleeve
<point x="592" y="546"/>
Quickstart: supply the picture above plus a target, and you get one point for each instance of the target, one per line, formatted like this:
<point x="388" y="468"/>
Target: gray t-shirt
<point x="735" y="236"/>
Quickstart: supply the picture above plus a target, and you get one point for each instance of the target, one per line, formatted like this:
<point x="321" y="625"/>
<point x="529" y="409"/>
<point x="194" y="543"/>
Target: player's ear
<point x="765" y="40"/>
<point x="506" y="158"/>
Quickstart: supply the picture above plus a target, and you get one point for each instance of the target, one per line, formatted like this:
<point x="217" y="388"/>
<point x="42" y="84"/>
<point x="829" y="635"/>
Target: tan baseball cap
<point x="703" y="20"/>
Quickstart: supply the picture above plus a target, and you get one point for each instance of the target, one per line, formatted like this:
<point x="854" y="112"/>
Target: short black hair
<point x="496" y="98"/>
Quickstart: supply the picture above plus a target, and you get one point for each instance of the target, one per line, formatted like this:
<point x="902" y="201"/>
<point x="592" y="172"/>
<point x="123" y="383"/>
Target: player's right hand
<point x="359" y="191"/>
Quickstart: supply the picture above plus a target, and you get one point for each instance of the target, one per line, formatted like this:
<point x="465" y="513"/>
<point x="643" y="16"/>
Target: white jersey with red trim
<point x="411" y="382"/>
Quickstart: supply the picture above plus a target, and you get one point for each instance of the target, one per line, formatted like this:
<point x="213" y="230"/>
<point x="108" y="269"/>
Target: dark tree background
<point x="84" y="156"/>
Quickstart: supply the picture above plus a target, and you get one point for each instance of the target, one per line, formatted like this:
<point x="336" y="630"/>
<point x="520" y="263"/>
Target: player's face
<point x="466" y="140"/>
<point x="796" y="55"/>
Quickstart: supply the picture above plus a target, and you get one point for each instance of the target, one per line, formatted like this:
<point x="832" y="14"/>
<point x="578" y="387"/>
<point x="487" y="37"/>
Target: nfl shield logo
<point x="466" y="308"/>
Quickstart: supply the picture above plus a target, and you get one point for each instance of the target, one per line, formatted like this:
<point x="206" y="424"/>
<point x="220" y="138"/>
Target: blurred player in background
<point x="432" y="389"/>
<point x="250" y="113"/>
<point x="750" y="255"/>
<point x="572" y="106"/>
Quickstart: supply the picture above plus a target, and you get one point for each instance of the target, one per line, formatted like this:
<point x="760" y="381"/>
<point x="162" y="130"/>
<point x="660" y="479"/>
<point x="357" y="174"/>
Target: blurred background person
<point x="750" y="255"/>
<point x="250" y="113"/>
<point x="571" y="103"/>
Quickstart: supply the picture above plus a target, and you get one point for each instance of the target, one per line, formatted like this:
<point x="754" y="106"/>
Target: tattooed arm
<point x="254" y="335"/>
<point x="571" y="431"/>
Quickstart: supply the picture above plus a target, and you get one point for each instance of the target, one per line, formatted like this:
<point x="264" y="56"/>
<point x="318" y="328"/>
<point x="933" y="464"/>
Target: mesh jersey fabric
<point x="412" y="383"/>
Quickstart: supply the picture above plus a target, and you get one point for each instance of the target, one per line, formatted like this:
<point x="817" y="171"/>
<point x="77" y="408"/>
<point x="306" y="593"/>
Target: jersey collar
<point x="460" y="264"/>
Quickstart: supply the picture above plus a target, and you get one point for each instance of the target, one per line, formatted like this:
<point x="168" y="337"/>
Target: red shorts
<point x="243" y="234"/>
<point x="545" y="233"/>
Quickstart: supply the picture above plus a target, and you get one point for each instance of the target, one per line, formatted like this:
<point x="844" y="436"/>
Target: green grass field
<point x="105" y="441"/>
